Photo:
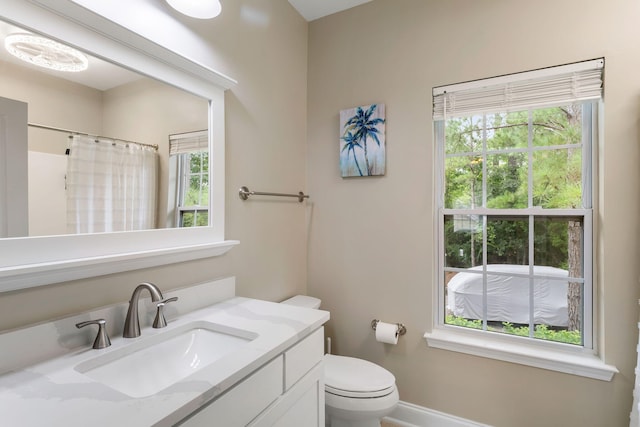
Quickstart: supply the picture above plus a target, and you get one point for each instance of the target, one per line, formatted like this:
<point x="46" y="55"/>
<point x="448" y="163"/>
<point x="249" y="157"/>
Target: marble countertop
<point x="53" y="393"/>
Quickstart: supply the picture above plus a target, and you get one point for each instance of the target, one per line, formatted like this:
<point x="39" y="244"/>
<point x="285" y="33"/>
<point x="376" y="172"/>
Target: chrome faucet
<point x="160" y="321"/>
<point x="102" y="339"/>
<point x="132" y="321"/>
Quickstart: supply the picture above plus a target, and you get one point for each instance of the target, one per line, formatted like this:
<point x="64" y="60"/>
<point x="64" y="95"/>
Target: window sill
<point x="572" y="361"/>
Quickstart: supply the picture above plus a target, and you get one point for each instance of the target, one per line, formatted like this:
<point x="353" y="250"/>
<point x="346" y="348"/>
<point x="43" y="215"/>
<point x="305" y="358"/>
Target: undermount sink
<point x="149" y="365"/>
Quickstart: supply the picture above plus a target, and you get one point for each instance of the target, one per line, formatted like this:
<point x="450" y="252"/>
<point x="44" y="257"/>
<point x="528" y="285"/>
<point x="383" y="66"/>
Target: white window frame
<point x="184" y="180"/>
<point x="181" y="146"/>
<point x="567" y="358"/>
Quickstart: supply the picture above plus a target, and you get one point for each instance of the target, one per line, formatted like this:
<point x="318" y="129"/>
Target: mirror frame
<point x="37" y="261"/>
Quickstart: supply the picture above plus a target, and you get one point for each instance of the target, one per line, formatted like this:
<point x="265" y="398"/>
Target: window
<point x="515" y="204"/>
<point x="190" y="163"/>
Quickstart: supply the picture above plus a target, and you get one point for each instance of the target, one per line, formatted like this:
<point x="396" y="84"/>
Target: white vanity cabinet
<point x="273" y="378"/>
<point x="288" y="391"/>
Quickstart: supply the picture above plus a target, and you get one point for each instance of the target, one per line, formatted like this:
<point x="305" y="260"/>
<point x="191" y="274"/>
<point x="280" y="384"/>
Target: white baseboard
<point x="410" y="415"/>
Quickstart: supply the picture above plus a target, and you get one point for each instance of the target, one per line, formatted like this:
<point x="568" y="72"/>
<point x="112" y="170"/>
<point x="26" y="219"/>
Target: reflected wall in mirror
<point x="119" y="104"/>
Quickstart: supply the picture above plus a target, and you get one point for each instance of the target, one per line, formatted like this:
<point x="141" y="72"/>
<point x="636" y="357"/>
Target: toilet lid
<point x="351" y="377"/>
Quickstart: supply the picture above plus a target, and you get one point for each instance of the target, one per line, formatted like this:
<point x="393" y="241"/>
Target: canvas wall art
<point x="362" y="141"/>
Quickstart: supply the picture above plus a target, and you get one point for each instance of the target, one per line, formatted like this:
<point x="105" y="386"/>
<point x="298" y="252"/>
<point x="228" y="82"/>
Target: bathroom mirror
<point x="124" y="108"/>
<point x="39" y="260"/>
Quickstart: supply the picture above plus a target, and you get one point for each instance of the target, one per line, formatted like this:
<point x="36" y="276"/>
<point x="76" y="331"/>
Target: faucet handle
<point x="102" y="339"/>
<point x="160" y="321"/>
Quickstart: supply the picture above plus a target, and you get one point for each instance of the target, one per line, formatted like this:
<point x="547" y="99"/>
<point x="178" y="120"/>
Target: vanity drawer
<point x="244" y="402"/>
<point x="302" y="357"/>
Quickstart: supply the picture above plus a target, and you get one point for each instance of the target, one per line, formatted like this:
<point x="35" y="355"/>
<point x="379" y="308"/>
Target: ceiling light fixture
<point x="201" y="9"/>
<point x="45" y="52"/>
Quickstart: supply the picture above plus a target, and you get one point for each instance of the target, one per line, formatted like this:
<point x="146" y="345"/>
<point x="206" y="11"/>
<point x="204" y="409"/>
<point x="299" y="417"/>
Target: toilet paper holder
<point x="401" y="328"/>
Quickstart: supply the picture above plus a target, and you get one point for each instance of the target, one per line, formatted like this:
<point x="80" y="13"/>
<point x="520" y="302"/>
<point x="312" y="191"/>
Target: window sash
<point x="586" y="280"/>
<point x="184" y="173"/>
<point x="589" y="112"/>
<point x="589" y="120"/>
<point x="195" y="210"/>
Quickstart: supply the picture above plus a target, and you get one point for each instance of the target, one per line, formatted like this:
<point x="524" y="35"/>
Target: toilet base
<point x="343" y="423"/>
<point x="350" y="412"/>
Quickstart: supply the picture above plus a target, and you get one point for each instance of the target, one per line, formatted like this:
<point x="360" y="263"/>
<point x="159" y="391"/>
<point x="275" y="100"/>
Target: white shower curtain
<point x="111" y="186"/>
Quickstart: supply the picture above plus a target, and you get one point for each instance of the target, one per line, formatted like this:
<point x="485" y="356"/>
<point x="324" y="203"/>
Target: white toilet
<point x="357" y="393"/>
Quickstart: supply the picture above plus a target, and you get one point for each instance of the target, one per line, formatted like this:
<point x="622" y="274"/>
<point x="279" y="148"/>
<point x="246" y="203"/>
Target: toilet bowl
<point x="358" y="393"/>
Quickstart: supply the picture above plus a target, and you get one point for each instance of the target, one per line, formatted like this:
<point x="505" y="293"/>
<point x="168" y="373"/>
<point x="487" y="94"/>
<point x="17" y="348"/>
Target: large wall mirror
<point x="129" y="173"/>
<point x="134" y="96"/>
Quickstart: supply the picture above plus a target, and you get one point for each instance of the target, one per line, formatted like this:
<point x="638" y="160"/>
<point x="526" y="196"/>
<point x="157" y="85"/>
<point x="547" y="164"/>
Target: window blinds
<point x="564" y="84"/>
<point x="188" y="142"/>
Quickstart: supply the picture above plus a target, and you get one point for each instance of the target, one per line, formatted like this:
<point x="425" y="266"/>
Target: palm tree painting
<point x="362" y="144"/>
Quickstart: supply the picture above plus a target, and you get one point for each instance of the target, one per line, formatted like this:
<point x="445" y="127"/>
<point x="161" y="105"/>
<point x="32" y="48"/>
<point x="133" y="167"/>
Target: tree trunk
<point x="366" y="156"/>
<point x="574" y="290"/>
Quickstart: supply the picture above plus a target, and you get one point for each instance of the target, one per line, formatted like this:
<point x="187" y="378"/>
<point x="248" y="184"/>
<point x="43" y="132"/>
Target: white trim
<point x="557" y="357"/>
<point x="88" y="31"/>
<point x="410" y="415"/>
<point x="36" y="274"/>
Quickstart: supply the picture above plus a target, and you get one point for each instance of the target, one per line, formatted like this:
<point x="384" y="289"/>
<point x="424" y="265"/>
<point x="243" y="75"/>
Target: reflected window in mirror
<point x="189" y="157"/>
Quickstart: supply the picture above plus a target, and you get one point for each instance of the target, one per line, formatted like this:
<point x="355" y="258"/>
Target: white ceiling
<point x="314" y="9"/>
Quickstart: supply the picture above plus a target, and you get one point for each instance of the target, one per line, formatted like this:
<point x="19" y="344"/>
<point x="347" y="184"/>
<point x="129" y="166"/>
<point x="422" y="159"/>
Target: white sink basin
<point x="148" y="366"/>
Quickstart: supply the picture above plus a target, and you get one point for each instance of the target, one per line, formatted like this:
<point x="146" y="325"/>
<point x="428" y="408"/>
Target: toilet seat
<point x="356" y="378"/>
<point x="358" y="395"/>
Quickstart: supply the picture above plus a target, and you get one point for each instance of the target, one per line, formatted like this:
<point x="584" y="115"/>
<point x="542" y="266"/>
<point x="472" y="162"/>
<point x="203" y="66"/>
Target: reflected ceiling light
<point x="46" y="53"/>
<point x="201" y="9"/>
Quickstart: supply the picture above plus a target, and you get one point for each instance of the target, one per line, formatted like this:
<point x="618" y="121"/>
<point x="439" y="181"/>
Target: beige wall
<point x="371" y="241"/>
<point x="52" y="102"/>
<point x="266" y="133"/>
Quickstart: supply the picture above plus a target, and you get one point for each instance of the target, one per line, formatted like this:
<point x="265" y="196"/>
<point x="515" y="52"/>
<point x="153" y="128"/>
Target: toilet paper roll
<point x="387" y="333"/>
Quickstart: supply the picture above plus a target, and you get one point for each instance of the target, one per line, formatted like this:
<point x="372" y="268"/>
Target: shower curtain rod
<point x="73" y="132"/>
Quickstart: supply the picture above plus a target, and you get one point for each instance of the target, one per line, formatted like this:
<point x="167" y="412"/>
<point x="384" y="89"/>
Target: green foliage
<point x="540" y="332"/>
<point x="201" y="219"/>
<point x="492" y="146"/>
<point x="196" y="195"/>
<point x="465" y="323"/>
<point x="514" y="249"/>
<point x="198" y="191"/>
<point x="544" y="333"/>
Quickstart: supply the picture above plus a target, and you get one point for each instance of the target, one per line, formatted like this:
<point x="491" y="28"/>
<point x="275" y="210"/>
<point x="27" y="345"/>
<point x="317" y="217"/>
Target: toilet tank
<point x="303" y="301"/>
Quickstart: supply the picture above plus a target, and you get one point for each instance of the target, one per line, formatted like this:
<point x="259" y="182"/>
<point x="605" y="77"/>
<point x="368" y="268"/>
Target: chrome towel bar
<point x="244" y="194"/>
